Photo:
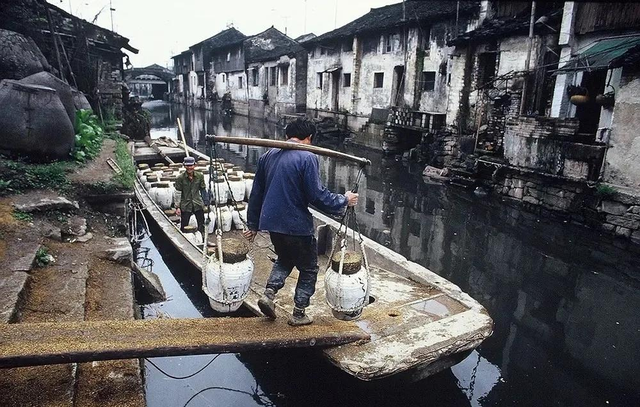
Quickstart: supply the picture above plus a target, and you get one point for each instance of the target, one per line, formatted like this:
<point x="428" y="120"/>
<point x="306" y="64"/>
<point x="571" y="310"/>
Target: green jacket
<point x="190" y="198"/>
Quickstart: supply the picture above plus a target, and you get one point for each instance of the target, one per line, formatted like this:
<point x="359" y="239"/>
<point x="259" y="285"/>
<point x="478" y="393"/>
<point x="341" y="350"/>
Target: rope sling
<point x="341" y="236"/>
<point x="213" y="187"/>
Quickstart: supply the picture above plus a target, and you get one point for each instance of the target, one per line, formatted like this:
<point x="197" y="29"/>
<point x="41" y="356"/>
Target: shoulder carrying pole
<point x="288" y="146"/>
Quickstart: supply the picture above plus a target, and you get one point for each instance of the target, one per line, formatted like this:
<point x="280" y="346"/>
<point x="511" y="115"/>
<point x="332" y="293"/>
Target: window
<point x="272" y="79"/>
<point x="378" y="79"/>
<point x="370" y="206"/>
<point x="346" y="80"/>
<point x="428" y="81"/>
<point x="240" y="84"/>
<point x="284" y="75"/>
<point x="425" y="44"/>
<point x="228" y="56"/>
<point x="224" y="77"/>
<point x="319" y="80"/>
<point x="255" y="76"/>
<point x="347" y="46"/>
<point x="322" y="51"/>
<point x="388" y="43"/>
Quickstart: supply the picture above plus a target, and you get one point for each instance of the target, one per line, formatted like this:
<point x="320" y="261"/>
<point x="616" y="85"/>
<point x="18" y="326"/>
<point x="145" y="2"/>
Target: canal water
<point x="565" y="299"/>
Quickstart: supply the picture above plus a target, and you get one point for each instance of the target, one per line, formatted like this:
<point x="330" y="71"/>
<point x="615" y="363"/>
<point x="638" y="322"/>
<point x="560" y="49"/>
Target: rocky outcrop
<point x="19" y="56"/>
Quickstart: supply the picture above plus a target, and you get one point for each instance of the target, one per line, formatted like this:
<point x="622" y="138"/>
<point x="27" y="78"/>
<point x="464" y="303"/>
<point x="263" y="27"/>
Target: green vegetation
<point x="605" y="191"/>
<point x="42" y="257"/>
<point x="5" y="187"/>
<point x="19" y="176"/>
<point x="88" y="137"/>
<point x="128" y="175"/>
<point x="23" y="216"/>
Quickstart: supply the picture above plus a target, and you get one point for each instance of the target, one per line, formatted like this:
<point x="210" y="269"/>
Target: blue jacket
<point x="286" y="183"/>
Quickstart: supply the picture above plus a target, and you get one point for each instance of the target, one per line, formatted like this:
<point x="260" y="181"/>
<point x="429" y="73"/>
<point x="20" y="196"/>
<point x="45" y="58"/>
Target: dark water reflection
<point x="564" y="299"/>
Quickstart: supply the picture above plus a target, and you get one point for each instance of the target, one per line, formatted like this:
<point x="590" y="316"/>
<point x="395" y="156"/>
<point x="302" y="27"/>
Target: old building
<point x="277" y="75"/>
<point x="546" y="101"/>
<point x="202" y="71"/>
<point x="600" y="51"/>
<point x="263" y="75"/>
<point x="88" y="57"/>
<point x="392" y="57"/>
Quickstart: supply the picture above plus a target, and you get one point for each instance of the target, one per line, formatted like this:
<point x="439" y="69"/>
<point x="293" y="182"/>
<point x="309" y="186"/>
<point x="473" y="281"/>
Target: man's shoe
<point x="267" y="305"/>
<point x="299" y="318"/>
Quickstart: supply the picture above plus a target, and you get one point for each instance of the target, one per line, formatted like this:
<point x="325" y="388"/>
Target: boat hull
<point x="419" y="322"/>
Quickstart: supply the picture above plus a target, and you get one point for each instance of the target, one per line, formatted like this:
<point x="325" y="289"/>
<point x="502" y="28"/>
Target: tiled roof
<point x="394" y="16"/>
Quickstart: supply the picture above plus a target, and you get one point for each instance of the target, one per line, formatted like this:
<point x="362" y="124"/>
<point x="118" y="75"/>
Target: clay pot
<point x="62" y="89"/>
<point x="34" y="121"/>
<point x="579" y="99"/>
<point x="606" y="100"/>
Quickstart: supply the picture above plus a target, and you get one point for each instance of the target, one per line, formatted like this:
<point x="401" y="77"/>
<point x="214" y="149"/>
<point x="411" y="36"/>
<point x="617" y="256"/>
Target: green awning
<point x="602" y="53"/>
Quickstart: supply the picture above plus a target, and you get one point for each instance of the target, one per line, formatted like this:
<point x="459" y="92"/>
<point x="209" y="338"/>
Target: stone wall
<point x="623" y="157"/>
<point x="548" y="145"/>
<point x="613" y="210"/>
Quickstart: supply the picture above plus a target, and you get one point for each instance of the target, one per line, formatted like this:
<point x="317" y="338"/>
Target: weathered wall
<point x="374" y="60"/>
<point x="623" y="158"/>
<point x="281" y="96"/>
<point x="436" y="60"/>
<point x="318" y="62"/>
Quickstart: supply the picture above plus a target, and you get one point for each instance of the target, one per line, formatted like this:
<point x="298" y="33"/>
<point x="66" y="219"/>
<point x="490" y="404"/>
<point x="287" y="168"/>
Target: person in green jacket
<point x="188" y="187"/>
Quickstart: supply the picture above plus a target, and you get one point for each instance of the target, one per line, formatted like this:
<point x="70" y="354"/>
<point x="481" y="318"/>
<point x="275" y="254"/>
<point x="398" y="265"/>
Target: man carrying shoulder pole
<point x="285" y="184"/>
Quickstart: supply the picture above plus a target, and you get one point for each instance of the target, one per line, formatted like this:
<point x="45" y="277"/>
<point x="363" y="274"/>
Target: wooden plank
<point x="31" y="344"/>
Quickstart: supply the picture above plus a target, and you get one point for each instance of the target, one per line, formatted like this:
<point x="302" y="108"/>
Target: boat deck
<point x="418" y="322"/>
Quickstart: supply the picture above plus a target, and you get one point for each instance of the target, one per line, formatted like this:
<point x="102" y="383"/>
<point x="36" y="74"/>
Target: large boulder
<point x="63" y="89"/>
<point x="80" y="100"/>
<point x="33" y="121"/>
<point x="19" y="56"/>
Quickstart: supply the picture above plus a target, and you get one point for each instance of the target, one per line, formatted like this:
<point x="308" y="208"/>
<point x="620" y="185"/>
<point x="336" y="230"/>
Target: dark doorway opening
<point x="397" y="92"/>
<point x="589" y="113"/>
<point x="158" y="90"/>
<point x="335" y="89"/>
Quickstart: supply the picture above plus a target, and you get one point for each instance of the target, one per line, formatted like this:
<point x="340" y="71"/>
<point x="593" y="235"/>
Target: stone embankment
<point x="614" y="210"/>
<point x="58" y="263"/>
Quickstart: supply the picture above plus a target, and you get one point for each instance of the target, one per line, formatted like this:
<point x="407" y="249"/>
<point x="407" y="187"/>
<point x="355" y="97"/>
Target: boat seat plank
<point x="31" y="344"/>
<point x="148" y="153"/>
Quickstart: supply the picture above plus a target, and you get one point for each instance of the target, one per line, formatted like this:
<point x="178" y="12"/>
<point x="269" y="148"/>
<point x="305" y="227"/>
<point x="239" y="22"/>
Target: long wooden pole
<point x="289" y="146"/>
<point x="184" y="142"/>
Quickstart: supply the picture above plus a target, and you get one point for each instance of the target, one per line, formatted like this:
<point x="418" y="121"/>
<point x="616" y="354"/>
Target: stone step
<point x="11" y="285"/>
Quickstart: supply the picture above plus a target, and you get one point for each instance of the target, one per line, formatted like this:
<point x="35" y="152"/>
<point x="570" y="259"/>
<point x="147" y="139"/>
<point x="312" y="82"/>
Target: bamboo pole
<point x="184" y="142"/>
<point x="289" y="146"/>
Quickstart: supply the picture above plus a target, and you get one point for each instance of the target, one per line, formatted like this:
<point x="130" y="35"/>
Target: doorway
<point x="397" y="91"/>
<point x="335" y="89"/>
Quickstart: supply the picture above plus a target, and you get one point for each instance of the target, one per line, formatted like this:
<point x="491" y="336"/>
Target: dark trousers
<point x="185" y="216"/>
<point x="300" y="252"/>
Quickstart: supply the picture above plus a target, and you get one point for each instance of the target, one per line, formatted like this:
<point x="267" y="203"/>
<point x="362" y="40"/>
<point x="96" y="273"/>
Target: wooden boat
<point x="419" y="322"/>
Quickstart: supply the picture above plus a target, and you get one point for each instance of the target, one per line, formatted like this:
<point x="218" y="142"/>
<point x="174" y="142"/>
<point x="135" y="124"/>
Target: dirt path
<point x="79" y="285"/>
